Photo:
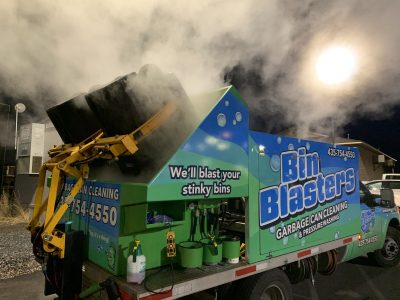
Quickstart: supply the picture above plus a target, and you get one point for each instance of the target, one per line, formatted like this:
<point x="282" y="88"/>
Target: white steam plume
<point x="53" y="49"/>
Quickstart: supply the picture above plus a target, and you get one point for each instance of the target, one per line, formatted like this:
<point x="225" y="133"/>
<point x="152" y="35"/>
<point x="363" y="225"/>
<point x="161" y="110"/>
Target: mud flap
<point x="64" y="276"/>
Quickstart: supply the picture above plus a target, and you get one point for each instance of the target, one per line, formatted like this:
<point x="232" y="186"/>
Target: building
<point x="372" y="161"/>
<point x="34" y="141"/>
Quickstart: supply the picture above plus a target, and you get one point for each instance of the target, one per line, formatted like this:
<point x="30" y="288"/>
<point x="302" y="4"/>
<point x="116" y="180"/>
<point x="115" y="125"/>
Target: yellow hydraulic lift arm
<point x="73" y="160"/>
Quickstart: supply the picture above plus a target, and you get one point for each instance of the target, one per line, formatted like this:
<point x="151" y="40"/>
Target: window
<point x="365" y="196"/>
<point x="394" y="184"/>
<point x="376" y="186"/>
<point x="391" y="176"/>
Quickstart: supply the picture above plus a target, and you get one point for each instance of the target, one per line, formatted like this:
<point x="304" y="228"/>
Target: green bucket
<point x="190" y="254"/>
<point x="231" y="249"/>
<point x="212" y="255"/>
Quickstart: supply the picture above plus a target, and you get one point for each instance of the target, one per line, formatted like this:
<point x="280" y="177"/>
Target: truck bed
<point x="185" y="281"/>
<point x="189" y="281"/>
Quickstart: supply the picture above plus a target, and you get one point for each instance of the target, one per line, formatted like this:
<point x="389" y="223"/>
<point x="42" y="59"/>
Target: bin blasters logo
<point x="367" y="220"/>
<point x="303" y="187"/>
<point x="313" y="222"/>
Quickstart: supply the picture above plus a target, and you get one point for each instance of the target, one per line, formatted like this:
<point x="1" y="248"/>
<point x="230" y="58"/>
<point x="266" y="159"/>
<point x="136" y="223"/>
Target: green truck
<point x="209" y="202"/>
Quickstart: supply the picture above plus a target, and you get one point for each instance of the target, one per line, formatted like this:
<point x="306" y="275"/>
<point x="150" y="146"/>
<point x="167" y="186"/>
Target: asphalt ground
<point x="20" y="277"/>
<point x="358" y="279"/>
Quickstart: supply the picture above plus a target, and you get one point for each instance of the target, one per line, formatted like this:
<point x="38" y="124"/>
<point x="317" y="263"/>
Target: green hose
<point x="94" y="288"/>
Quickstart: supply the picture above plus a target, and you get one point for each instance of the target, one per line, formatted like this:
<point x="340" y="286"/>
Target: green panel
<point x="111" y="252"/>
<point x="293" y="242"/>
<point x="213" y="162"/>
<point x="134" y="217"/>
<point x="133" y="193"/>
<point x="166" y="188"/>
<point x="374" y="226"/>
<point x="252" y="229"/>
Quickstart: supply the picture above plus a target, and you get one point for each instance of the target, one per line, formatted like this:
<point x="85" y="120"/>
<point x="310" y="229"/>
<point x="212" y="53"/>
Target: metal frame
<point x="73" y="160"/>
<point x="209" y="277"/>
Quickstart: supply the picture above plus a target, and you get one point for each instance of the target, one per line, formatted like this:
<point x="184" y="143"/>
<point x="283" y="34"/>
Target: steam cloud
<point x="51" y="50"/>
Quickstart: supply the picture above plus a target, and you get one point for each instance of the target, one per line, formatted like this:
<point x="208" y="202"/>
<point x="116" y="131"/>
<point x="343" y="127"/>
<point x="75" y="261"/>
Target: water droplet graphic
<point x="221" y="120"/>
<point x="345" y="159"/>
<point x="234" y="122"/>
<point x="295" y="235"/>
<point x="275" y="163"/>
<point x="299" y="141"/>
<point x="211" y="140"/>
<point x="336" y="235"/>
<point x="279" y="140"/>
<point x="238" y="116"/>
<point x="222" y="146"/>
<point x="285" y="240"/>
<point x="272" y="229"/>
<point x="308" y="146"/>
<point x="303" y="241"/>
<point x="290" y="147"/>
<point x="227" y="103"/>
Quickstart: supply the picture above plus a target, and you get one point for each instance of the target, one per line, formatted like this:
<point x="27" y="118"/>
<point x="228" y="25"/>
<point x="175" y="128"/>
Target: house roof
<point x="357" y="143"/>
<point x="319" y="137"/>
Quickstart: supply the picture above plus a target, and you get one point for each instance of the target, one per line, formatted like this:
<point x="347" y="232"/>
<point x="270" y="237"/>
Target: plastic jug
<point x="136" y="265"/>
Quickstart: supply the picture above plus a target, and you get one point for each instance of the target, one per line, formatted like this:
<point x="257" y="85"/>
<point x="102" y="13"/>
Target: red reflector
<point x="245" y="271"/>
<point x="304" y="253"/>
<point x="348" y="240"/>
<point x="158" y="296"/>
<point x="124" y="295"/>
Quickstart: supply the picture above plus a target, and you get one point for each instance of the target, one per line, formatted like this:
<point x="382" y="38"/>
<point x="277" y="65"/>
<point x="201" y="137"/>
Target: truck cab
<point x="380" y="235"/>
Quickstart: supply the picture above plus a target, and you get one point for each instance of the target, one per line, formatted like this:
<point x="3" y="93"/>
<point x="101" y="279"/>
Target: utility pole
<point x="5" y="144"/>
<point x="19" y="108"/>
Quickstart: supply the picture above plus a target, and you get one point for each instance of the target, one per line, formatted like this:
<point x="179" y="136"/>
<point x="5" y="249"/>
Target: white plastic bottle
<point x="136" y="265"/>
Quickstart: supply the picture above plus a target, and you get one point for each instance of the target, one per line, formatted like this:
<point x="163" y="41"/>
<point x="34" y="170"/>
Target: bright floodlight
<point x="336" y="65"/>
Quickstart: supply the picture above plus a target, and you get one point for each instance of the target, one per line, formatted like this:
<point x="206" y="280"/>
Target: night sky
<point x="383" y="134"/>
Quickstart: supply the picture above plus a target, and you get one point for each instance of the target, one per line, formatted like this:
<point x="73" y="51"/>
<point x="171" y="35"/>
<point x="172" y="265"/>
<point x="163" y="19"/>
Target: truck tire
<point x="389" y="255"/>
<point x="272" y="285"/>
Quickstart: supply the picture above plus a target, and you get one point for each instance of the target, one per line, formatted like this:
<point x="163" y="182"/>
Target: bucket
<point x="190" y="254"/>
<point x="212" y="255"/>
<point x="231" y="249"/>
<point x="73" y="120"/>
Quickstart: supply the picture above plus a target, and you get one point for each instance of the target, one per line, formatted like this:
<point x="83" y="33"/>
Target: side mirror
<point x="387" y="198"/>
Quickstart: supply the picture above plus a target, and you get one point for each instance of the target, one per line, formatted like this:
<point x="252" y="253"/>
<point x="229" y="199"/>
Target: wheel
<point x="270" y="285"/>
<point x="389" y="255"/>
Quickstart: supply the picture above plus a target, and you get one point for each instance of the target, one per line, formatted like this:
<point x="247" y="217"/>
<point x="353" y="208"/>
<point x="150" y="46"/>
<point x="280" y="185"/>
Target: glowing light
<point x="261" y="149"/>
<point x="336" y="65"/>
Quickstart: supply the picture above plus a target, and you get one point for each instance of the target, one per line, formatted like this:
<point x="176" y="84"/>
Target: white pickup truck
<point x="375" y="187"/>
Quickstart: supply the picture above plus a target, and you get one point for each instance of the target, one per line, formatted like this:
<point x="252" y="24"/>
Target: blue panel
<point x="307" y="175"/>
<point x="97" y="205"/>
